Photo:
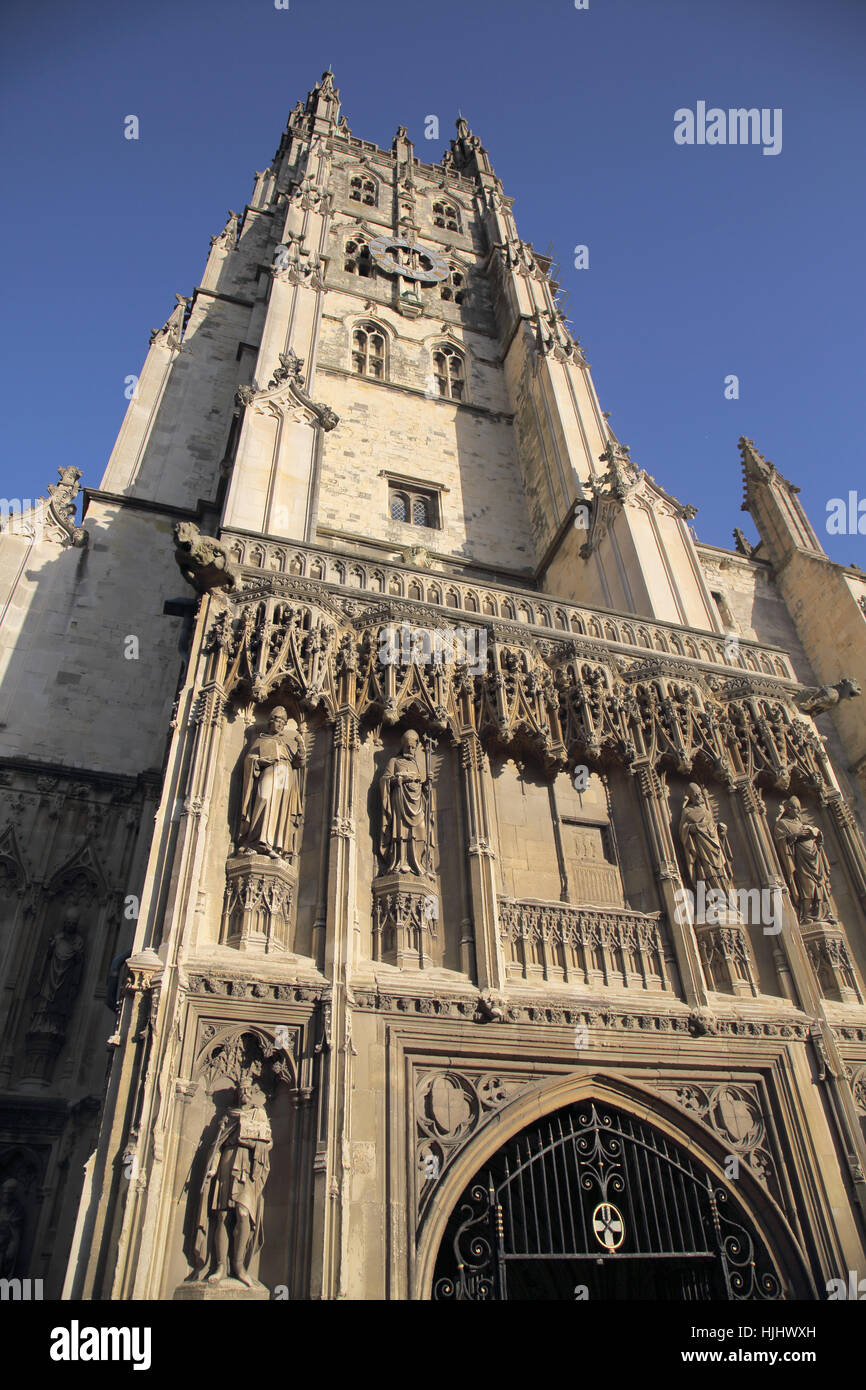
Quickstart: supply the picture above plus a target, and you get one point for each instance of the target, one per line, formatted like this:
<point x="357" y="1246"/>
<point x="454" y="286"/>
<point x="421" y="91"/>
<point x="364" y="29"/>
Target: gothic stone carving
<point x="817" y="699"/>
<point x="204" y="562"/>
<point x="735" y="1114"/>
<point x="56" y="997"/>
<point x="707" y="852"/>
<point x="407" y="837"/>
<point x="260" y="903"/>
<point x="272" y="801"/>
<point x="233" y="1192"/>
<point x="800" y="848"/>
<point x="449" y="1107"/>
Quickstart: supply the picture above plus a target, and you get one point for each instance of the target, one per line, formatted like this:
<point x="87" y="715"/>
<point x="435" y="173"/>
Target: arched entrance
<point x="593" y="1202"/>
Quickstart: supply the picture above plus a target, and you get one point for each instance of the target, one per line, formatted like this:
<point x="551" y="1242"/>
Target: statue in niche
<point x="272" y="798"/>
<point x="705" y="843"/>
<point x="407" y="837"/>
<point x="233" y="1190"/>
<point x="800" y="848"/>
<point x="11" y="1226"/>
<point x="61" y="975"/>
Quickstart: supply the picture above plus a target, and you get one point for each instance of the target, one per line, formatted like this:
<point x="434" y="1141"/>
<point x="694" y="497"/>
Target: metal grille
<point x="593" y="1197"/>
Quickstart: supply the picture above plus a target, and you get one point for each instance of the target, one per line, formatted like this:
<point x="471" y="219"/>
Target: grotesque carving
<point x="61" y="505"/>
<point x="271" y="806"/>
<point x="818" y="698"/>
<point x="706" y="847"/>
<point x="407" y="839"/>
<point x="233" y="1189"/>
<point x="204" y="562"/>
<point x="800" y="848"/>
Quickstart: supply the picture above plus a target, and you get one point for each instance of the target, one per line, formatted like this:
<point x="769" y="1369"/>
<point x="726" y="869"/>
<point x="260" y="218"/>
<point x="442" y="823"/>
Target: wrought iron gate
<point x="593" y="1199"/>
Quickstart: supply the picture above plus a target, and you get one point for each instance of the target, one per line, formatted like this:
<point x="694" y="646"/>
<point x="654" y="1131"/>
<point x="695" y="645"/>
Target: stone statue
<point x="11" y="1226"/>
<point x="706" y="847"/>
<point x="800" y="848"/>
<point x="61" y="975"/>
<point x="272" y="802"/>
<point x="233" y="1189"/>
<point x="407" y="837"/>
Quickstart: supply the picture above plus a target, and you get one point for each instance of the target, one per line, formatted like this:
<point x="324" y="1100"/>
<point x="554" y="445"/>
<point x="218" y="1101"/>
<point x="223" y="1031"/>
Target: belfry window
<point x="445" y="215"/>
<point x="357" y="257"/>
<point x="450" y="373"/>
<point x="454" y="288"/>
<point x="413" y="505"/>
<point x="363" y="190"/>
<point x="368" y="351"/>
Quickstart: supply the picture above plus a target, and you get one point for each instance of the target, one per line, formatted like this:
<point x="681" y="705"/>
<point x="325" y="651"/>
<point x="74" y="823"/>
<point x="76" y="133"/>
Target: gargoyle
<point x="204" y="561"/>
<point x="818" y="698"/>
<point x="490" y="1008"/>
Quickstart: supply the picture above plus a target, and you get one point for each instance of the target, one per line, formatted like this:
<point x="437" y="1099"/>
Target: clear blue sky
<point x="704" y="261"/>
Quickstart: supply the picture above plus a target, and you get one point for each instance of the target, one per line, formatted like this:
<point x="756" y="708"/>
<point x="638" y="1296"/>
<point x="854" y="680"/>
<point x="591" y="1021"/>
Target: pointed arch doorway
<point x="594" y="1202"/>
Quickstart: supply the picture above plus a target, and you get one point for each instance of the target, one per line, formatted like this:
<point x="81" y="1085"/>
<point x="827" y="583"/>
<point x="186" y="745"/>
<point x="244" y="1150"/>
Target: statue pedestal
<point x="727" y="955"/>
<point x="260" y="903"/>
<point x="405" y="920"/>
<point x="231" y="1290"/>
<point x="831" y="960"/>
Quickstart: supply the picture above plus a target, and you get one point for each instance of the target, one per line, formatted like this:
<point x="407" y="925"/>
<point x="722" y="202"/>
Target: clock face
<point x="395" y="256"/>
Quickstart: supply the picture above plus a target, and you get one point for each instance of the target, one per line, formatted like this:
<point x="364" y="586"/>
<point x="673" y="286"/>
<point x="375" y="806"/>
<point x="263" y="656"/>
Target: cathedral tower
<point x="493" y="830"/>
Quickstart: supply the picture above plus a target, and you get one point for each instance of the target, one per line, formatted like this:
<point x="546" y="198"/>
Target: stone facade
<point x="349" y="743"/>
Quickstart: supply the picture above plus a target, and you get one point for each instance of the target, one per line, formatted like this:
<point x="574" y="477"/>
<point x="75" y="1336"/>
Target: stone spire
<point x="772" y="502"/>
<point x="323" y="105"/>
<point x="467" y="154"/>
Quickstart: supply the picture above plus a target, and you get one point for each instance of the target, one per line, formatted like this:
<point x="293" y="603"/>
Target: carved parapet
<point x="727" y="957"/>
<point x="204" y="562"/>
<point x="260" y="903"/>
<point x="583" y="945"/>
<point x="832" y="962"/>
<point x="405" y="919"/>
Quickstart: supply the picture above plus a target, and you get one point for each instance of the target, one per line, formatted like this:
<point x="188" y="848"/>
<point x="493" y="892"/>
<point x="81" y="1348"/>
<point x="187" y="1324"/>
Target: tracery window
<point x="368" y="351"/>
<point x="450" y="372"/>
<point x="363" y="190"/>
<point x="454" y="288"/>
<point x="446" y="215"/>
<point x="358" y="260"/>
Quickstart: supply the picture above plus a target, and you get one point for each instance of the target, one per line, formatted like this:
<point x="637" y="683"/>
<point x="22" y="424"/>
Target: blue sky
<point x="704" y="261"/>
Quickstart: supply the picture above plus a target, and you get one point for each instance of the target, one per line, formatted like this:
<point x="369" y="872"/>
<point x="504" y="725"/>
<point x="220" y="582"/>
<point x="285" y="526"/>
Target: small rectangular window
<point x="414" y="505"/>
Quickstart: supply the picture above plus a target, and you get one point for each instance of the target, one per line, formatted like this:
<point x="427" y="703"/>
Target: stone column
<point x="332" y="1168"/>
<point x="753" y="821"/>
<point x="482" y="873"/>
